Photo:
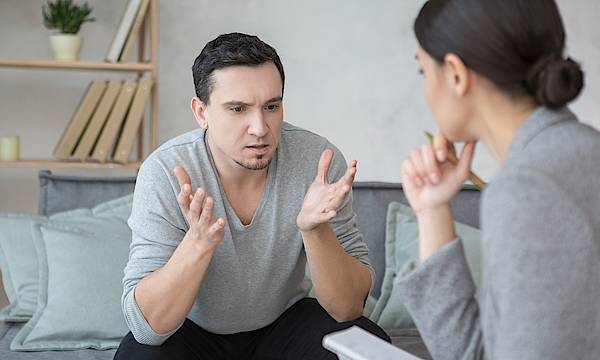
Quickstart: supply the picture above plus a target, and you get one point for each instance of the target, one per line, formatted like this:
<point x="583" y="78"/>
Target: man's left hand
<point x="323" y="199"/>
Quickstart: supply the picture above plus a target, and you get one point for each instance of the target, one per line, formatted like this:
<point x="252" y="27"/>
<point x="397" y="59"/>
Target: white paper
<point x="355" y="343"/>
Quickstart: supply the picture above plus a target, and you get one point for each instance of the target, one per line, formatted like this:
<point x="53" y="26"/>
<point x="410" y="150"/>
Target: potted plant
<point x="67" y="18"/>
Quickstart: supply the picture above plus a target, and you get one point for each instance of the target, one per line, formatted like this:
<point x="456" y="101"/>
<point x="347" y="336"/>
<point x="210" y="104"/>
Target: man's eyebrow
<point x="275" y="99"/>
<point x="241" y="103"/>
<point x="234" y="103"/>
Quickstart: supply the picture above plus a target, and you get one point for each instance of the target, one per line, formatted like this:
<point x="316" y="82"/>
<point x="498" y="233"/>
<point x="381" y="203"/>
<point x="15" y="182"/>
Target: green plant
<point x="65" y="16"/>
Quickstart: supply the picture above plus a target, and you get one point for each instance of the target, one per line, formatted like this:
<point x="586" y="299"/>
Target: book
<point x="80" y="119"/>
<point x="355" y="343"/>
<point x="132" y="123"/>
<point x="113" y="123"/>
<point x="90" y="135"/>
<point x="118" y="41"/>
<point x="133" y="33"/>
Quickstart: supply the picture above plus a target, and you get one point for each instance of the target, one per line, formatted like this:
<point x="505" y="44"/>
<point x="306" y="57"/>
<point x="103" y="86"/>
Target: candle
<point x="9" y="148"/>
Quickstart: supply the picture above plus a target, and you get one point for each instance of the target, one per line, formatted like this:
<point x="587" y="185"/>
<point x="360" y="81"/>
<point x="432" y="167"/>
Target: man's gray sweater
<point x="257" y="271"/>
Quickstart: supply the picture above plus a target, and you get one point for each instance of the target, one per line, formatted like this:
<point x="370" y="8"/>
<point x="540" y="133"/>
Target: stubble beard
<point x="259" y="165"/>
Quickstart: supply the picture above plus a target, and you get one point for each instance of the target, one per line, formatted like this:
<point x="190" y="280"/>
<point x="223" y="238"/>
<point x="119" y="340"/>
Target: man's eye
<point x="421" y="72"/>
<point x="237" y="109"/>
<point x="272" y="107"/>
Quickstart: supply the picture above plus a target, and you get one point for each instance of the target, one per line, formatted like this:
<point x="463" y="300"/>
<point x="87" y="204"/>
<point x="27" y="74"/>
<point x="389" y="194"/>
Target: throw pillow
<point x="401" y="246"/>
<point x="80" y="289"/>
<point x="19" y="260"/>
<point x="81" y="256"/>
<point x="19" y="264"/>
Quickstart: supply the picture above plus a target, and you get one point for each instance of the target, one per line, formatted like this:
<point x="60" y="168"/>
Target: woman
<point x="495" y="72"/>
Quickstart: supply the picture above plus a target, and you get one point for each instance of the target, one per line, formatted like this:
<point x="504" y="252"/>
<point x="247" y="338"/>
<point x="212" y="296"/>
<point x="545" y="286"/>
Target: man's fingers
<point x="183" y="178"/>
<point x="207" y="210"/>
<point x="219" y="224"/>
<point x="348" y="178"/>
<point x="324" y="163"/>
<point x="197" y="203"/>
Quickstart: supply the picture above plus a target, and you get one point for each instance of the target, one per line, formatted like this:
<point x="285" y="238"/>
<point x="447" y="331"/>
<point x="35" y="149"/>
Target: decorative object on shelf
<point x="66" y="17"/>
<point x="9" y="148"/>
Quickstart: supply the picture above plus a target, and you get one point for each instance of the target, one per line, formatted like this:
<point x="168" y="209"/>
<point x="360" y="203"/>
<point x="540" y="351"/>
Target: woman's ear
<point x="199" y="110"/>
<point x="457" y="74"/>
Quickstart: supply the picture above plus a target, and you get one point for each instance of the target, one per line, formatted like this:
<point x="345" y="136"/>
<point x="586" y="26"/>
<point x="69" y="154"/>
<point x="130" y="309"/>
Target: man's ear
<point x="199" y="110"/>
<point x="457" y="74"/>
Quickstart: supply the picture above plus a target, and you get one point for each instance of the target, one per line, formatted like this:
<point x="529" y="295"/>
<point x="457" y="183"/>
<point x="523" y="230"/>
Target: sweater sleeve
<point x="440" y="297"/>
<point x="157" y="229"/>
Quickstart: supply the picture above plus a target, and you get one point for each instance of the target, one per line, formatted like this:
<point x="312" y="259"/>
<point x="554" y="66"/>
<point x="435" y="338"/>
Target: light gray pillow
<point x="401" y="246"/>
<point x="19" y="264"/>
<point x="81" y="255"/>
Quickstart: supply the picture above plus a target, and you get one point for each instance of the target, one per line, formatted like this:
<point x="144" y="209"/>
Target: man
<point x="219" y="271"/>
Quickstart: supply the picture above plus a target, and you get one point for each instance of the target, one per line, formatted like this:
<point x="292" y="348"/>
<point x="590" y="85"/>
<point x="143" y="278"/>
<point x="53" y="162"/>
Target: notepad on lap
<point x="355" y="343"/>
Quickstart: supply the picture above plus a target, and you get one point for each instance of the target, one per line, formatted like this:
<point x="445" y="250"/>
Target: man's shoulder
<point x="295" y="132"/>
<point x="181" y="143"/>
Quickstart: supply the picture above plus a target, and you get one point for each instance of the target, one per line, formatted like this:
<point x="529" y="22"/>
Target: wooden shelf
<point x="74" y="65"/>
<point x="68" y="164"/>
<point x="149" y="66"/>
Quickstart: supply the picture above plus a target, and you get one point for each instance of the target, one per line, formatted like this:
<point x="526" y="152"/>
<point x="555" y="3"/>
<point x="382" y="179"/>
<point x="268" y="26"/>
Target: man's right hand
<point x="198" y="211"/>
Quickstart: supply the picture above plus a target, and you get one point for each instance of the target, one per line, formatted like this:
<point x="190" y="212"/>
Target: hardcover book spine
<point x="135" y="29"/>
<point x="132" y="123"/>
<point x="116" y="46"/>
<point x="114" y="121"/>
<point x="79" y="120"/>
<point x="84" y="147"/>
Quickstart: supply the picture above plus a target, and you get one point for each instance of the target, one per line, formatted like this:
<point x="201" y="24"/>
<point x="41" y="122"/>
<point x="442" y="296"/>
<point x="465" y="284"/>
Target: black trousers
<point x="296" y="335"/>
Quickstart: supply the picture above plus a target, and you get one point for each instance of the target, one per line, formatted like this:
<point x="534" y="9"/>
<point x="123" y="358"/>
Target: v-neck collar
<point x="271" y="173"/>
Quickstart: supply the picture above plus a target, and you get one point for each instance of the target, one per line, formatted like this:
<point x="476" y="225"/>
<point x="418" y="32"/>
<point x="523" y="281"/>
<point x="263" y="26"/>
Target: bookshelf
<point x="143" y="66"/>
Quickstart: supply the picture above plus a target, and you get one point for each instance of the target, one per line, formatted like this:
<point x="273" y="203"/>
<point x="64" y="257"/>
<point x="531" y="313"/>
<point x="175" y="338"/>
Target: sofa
<point x="78" y="245"/>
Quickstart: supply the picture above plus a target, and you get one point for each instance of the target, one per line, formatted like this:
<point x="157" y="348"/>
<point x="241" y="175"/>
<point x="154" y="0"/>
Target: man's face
<point x="244" y="117"/>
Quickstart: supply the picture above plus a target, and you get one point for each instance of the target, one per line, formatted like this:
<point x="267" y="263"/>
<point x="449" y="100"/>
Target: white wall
<point x="350" y="76"/>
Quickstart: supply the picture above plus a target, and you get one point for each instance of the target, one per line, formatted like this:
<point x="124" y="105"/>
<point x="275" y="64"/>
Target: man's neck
<point x="243" y="187"/>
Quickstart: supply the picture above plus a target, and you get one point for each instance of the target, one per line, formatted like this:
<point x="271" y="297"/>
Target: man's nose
<point x="258" y="127"/>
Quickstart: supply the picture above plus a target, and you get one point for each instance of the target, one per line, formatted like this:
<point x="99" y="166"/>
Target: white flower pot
<point x="66" y="47"/>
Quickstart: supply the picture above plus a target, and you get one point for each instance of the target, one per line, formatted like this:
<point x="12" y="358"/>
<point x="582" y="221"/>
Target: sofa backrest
<point x="370" y="204"/>
<point x="61" y="193"/>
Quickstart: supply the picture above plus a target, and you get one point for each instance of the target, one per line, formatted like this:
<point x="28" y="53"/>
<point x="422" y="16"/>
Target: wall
<point x="350" y="76"/>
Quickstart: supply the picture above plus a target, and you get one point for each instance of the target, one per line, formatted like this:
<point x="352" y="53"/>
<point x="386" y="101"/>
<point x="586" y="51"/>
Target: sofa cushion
<point x="401" y="246"/>
<point x="370" y="203"/>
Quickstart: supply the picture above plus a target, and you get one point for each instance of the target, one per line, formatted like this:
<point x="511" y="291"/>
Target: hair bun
<point x="555" y="81"/>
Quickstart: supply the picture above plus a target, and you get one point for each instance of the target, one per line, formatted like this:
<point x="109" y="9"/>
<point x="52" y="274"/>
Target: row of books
<point x="106" y="121"/>
<point x="127" y="31"/>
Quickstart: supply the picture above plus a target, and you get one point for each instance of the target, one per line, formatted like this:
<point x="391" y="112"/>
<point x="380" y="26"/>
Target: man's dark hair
<point x="517" y="44"/>
<point x="234" y="49"/>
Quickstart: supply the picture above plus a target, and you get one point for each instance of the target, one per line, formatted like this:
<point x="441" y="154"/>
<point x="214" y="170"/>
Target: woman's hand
<point x="429" y="179"/>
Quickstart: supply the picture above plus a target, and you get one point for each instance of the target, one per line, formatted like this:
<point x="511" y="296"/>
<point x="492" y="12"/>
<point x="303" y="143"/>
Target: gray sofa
<point x="371" y="199"/>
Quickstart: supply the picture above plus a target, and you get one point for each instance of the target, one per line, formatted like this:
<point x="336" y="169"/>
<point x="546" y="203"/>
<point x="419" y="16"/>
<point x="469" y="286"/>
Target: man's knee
<point x="130" y="349"/>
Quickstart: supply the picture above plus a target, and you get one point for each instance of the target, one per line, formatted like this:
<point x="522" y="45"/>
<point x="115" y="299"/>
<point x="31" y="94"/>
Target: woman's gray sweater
<point x="540" y="222"/>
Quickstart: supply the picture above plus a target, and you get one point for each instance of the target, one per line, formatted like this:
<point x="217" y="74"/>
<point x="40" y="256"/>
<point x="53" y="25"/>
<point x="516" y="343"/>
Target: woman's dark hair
<point x="234" y="49"/>
<point x="517" y="44"/>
